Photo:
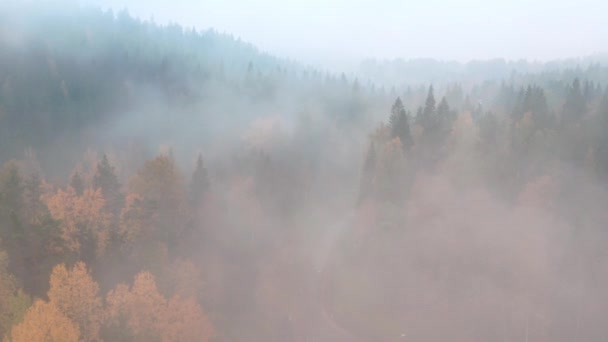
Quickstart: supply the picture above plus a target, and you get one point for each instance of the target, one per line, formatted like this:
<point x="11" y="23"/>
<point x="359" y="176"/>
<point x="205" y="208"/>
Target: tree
<point x="28" y="231"/>
<point x="44" y="322"/>
<point x="133" y="224"/>
<point x="160" y="187"/>
<point x="602" y="139"/>
<point x="574" y="107"/>
<point x="399" y="124"/>
<point x="200" y="182"/>
<point x="106" y="180"/>
<point x="84" y="222"/>
<point x="19" y="303"/>
<point x="184" y="320"/>
<point x="35" y="209"/>
<point x="75" y="294"/>
<point x="7" y="289"/>
<point x="147" y="315"/>
<point x="429" y="110"/>
<point x="141" y="307"/>
<point x="445" y="120"/>
<point x="395" y="111"/>
<point x="436" y="124"/>
<point x="11" y="202"/>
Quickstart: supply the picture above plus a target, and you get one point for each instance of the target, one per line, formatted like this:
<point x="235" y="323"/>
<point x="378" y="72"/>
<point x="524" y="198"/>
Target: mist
<point x="343" y="33"/>
<point x="331" y="172"/>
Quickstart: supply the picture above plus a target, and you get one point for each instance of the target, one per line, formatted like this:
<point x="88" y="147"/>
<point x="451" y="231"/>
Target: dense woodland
<point x="164" y="184"/>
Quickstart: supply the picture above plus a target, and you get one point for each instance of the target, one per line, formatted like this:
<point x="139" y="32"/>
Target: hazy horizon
<point x="341" y="34"/>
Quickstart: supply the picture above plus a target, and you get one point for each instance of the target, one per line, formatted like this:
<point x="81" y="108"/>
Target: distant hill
<point x="77" y="70"/>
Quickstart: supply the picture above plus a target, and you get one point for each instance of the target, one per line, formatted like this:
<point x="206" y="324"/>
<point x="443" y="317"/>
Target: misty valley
<point x="160" y="182"/>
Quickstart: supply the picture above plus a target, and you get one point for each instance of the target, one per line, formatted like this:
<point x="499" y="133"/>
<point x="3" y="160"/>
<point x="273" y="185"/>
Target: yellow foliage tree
<point x="75" y="294"/>
<point x="7" y="288"/>
<point x="184" y="320"/>
<point x="43" y="322"/>
<point x="82" y="218"/>
<point x="149" y="316"/>
<point x="141" y="306"/>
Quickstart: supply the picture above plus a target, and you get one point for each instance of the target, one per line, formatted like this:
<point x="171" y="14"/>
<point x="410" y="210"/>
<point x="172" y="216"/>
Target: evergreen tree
<point x="399" y="124"/>
<point x="395" y="111"/>
<point x="575" y="107"/>
<point x="602" y="140"/>
<point x="429" y="109"/>
<point x="444" y="113"/>
<point x="11" y="201"/>
<point x="106" y="180"/>
<point x="432" y="123"/>
<point x="35" y="209"/>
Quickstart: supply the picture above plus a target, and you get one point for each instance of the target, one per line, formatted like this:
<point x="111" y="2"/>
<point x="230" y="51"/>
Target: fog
<point x="430" y="171"/>
<point x="340" y="33"/>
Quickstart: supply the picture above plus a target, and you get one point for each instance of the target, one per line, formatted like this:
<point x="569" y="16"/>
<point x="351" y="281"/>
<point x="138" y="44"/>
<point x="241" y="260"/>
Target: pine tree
<point x="444" y="113"/>
<point x="403" y="130"/>
<point x="395" y="111"/>
<point x="106" y="180"/>
<point x="575" y="107"/>
<point x="105" y="177"/>
<point x="399" y="124"/>
<point x="11" y="203"/>
<point x="602" y="141"/>
<point x="429" y="109"/>
<point x="34" y="209"/>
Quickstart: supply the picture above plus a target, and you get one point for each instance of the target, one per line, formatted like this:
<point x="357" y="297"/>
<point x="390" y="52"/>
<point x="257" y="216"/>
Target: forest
<point x="163" y="183"/>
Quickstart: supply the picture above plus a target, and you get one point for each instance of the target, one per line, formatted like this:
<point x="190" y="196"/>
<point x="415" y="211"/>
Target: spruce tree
<point x="399" y="124"/>
<point x="444" y="118"/>
<point x="429" y="107"/>
<point x="575" y="107"/>
<point x="106" y="180"/>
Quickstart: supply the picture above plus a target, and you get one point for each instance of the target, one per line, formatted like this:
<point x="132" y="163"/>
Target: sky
<point x="344" y="32"/>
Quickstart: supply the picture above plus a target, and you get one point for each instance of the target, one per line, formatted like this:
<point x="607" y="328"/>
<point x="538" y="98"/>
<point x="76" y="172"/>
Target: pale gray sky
<point x="345" y="31"/>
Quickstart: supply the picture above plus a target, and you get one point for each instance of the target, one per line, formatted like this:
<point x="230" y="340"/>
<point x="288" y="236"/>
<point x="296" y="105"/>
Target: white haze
<point x="340" y="33"/>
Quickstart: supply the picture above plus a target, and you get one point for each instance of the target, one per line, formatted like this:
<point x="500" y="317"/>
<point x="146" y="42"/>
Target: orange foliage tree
<point x="75" y="294"/>
<point x="45" y="322"/>
<point x="85" y="224"/>
<point x="148" y="315"/>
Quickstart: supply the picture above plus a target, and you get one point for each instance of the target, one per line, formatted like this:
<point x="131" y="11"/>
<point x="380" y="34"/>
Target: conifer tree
<point x="399" y="124"/>
<point x="575" y="107"/>
<point x="105" y="179"/>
